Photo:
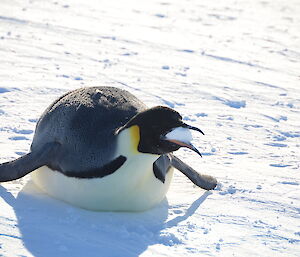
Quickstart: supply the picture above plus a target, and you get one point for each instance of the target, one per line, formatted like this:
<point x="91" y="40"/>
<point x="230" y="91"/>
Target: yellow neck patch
<point x="135" y="137"/>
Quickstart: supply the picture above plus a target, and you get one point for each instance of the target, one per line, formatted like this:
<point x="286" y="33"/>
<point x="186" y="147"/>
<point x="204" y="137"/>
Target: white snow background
<point x="229" y="67"/>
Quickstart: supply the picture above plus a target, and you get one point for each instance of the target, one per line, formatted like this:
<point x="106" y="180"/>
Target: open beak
<point x="192" y="128"/>
<point x="182" y="136"/>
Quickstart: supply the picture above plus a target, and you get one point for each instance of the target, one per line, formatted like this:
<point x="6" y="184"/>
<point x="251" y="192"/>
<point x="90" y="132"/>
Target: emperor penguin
<point x="102" y="149"/>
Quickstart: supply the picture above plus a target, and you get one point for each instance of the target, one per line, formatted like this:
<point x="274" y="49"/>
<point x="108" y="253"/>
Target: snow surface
<point x="229" y="67"/>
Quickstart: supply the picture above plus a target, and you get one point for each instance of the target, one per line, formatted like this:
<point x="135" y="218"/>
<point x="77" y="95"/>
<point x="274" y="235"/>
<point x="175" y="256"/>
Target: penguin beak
<point x="192" y="128"/>
<point x="182" y="136"/>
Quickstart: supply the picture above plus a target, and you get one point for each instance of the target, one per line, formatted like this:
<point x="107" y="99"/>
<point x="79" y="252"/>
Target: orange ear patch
<point x="135" y="137"/>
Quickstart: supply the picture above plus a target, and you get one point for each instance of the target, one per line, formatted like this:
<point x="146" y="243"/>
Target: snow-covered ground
<point x="229" y="67"/>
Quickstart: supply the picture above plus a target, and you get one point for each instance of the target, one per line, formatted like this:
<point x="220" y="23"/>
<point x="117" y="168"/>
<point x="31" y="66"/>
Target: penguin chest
<point x="133" y="187"/>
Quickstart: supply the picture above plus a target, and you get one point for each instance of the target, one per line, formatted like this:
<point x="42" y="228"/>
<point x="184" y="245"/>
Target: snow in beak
<point x="182" y="136"/>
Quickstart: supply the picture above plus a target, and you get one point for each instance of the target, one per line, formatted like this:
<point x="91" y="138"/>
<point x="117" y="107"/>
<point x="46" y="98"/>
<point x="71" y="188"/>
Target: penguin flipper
<point x="204" y="181"/>
<point x="161" y="167"/>
<point x="22" y="166"/>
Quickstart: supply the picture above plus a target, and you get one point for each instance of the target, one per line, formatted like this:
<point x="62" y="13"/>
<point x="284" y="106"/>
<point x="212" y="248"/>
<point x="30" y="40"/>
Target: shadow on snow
<point x="52" y="228"/>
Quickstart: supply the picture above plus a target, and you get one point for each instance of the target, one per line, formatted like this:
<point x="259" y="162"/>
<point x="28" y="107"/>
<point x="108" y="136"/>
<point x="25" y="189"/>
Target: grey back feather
<point x="83" y="122"/>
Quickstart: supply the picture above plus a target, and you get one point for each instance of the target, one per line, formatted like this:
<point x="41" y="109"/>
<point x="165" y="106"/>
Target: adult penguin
<point x="100" y="148"/>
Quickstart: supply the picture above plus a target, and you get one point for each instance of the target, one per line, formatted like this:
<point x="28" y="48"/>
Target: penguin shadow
<point x="50" y="227"/>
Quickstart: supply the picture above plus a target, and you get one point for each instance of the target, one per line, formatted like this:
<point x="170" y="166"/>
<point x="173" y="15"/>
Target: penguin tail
<point x="22" y="166"/>
<point x="204" y="181"/>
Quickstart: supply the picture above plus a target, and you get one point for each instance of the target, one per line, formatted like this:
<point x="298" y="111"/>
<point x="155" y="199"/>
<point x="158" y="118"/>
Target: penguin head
<point x="161" y="131"/>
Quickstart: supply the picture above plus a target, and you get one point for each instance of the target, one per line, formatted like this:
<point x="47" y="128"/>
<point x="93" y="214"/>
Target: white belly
<point x="131" y="188"/>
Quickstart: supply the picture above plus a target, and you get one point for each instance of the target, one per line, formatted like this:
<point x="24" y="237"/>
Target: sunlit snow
<point x="228" y="67"/>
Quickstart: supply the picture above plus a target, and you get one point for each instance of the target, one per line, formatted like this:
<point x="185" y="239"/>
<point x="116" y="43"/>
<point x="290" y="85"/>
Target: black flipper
<point x="161" y="167"/>
<point x="204" y="181"/>
<point x="22" y="166"/>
